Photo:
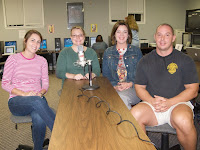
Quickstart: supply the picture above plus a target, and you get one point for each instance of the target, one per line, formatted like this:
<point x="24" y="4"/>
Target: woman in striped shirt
<point x="26" y="79"/>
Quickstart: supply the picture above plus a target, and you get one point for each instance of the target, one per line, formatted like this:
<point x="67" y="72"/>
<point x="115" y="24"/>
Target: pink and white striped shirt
<point x="25" y="74"/>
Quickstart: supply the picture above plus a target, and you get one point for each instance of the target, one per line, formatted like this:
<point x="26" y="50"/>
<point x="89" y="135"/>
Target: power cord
<point x="98" y="105"/>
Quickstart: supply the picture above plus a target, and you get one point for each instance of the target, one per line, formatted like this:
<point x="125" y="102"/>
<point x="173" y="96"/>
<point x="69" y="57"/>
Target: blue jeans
<point x="41" y="114"/>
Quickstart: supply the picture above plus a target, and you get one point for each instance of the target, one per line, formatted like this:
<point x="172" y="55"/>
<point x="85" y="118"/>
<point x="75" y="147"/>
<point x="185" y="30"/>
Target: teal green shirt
<point x="66" y="59"/>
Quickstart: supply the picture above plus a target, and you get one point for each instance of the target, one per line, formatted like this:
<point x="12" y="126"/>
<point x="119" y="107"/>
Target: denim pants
<point x="41" y="114"/>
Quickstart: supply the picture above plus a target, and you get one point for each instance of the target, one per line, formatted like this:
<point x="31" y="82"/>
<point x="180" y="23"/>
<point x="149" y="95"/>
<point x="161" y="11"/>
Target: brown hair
<point x="132" y="23"/>
<point x="166" y="24"/>
<point x="99" y="38"/>
<point x="78" y="27"/>
<point x="28" y="35"/>
<point x="114" y="29"/>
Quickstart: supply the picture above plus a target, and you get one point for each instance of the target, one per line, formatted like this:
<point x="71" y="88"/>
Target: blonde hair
<point x="78" y="27"/>
<point x="132" y="23"/>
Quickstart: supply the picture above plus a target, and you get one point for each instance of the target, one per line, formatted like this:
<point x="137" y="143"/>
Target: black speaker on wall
<point x="57" y="44"/>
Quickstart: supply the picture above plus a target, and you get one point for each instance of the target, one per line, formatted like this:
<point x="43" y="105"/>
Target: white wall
<point x="194" y="4"/>
<point x="97" y="12"/>
<point x="162" y="11"/>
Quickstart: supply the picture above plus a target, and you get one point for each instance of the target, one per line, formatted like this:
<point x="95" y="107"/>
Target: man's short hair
<point x="166" y="24"/>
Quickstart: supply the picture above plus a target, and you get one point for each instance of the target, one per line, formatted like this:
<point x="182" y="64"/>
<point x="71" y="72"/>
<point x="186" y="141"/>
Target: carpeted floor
<point x="10" y="137"/>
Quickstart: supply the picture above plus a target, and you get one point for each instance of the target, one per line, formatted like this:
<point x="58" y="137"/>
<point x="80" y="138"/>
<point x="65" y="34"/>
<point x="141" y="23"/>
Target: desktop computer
<point x="11" y="43"/>
<point x="179" y="36"/>
<point x="92" y="41"/>
<point x="57" y="44"/>
<point x="144" y="43"/>
<point x="67" y="42"/>
<point x="43" y="45"/>
<point x="86" y="42"/>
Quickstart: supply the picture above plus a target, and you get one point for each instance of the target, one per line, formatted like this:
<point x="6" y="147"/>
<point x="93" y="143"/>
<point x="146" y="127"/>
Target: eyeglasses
<point x="75" y="36"/>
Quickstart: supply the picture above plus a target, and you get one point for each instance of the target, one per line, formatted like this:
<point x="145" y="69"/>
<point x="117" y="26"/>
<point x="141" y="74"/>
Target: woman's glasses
<point x="77" y="36"/>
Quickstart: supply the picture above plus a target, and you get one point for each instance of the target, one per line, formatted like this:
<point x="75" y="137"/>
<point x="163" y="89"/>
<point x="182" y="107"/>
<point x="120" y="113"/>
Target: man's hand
<point x="160" y="104"/>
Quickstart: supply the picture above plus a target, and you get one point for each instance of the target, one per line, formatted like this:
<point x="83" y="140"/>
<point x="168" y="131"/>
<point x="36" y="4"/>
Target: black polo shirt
<point x="166" y="76"/>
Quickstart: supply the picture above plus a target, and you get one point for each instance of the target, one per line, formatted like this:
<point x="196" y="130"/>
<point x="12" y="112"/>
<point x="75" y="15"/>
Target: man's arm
<point x="143" y="94"/>
<point x="190" y="92"/>
<point x="157" y="102"/>
<point x="162" y="104"/>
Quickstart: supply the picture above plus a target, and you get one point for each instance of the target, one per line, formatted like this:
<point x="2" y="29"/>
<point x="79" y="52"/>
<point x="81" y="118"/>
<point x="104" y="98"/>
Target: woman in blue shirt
<point x="120" y="62"/>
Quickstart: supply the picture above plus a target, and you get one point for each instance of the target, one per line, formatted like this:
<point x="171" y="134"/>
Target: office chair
<point x="25" y="119"/>
<point x="165" y="130"/>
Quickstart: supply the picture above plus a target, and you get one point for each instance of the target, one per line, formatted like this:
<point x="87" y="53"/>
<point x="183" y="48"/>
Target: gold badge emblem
<point x="172" y="68"/>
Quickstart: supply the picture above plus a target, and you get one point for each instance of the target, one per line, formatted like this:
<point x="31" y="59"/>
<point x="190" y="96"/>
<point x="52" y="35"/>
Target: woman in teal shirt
<point x="66" y="64"/>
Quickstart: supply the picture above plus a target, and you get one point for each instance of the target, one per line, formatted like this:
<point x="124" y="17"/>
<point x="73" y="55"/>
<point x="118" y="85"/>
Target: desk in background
<point x="146" y="50"/>
<point x="3" y="59"/>
<point x="48" y="55"/>
<point x="51" y="57"/>
<point x="81" y="125"/>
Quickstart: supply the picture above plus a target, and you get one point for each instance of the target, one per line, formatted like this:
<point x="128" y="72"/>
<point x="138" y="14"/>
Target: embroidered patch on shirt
<point x="172" y="67"/>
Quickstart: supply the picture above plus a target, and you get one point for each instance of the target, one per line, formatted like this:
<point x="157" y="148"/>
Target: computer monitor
<point x="11" y="43"/>
<point x="92" y="40"/>
<point x="8" y="50"/>
<point x="43" y="44"/>
<point x="67" y="42"/>
<point x="144" y="43"/>
<point x="195" y="40"/>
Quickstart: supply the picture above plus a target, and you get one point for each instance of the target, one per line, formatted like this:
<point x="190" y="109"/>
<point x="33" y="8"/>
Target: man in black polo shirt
<point x="166" y="80"/>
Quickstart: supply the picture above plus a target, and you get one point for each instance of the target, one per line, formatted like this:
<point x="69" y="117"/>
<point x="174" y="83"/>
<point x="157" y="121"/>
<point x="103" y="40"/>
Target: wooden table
<point x="80" y="125"/>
